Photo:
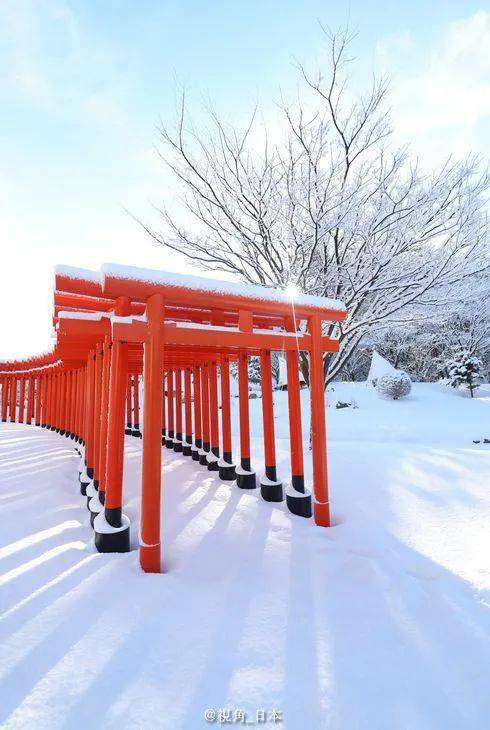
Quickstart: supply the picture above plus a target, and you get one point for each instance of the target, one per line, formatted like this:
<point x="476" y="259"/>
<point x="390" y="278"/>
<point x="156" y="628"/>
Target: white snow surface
<point x="96" y="316"/>
<point x="380" y="622"/>
<point x="74" y="272"/>
<point x="217" y="286"/>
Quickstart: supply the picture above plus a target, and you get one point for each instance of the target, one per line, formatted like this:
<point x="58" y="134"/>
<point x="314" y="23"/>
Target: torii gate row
<point x="179" y="333"/>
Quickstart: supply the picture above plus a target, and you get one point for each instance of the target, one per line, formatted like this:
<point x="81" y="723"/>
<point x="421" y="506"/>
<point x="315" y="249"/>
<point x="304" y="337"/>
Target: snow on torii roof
<point x="199" y="284"/>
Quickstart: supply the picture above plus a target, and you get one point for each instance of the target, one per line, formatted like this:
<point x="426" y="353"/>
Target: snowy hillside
<point x="380" y="622"/>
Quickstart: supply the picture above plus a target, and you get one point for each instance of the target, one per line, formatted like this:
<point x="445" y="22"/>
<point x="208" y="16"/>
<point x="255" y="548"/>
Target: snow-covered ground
<point x="380" y="622"/>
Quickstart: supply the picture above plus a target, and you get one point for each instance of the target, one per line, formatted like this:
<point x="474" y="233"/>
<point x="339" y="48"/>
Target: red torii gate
<point x="178" y="332"/>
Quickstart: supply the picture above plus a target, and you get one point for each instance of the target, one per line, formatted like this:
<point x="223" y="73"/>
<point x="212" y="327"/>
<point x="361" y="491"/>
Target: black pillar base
<point x="203" y="459"/>
<point x="136" y="433"/>
<point x="227" y="473"/>
<point x="212" y="465"/>
<point x="186" y="449"/>
<point x="299" y="504"/>
<point x="246" y="481"/>
<point x="84" y="482"/>
<point x="272" y="492"/>
<point x="178" y="446"/>
<point x="93" y="515"/>
<point x="195" y="454"/>
<point x="169" y="443"/>
<point x="128" y="431"/>
<point x="90" y="472"/>
<point x="113" y="542"/>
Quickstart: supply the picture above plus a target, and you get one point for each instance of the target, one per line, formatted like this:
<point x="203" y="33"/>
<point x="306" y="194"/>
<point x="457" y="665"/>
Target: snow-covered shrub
<point x="379" y="367"/>
<point x="394" y="385"/>
<point x="464" y="369"/>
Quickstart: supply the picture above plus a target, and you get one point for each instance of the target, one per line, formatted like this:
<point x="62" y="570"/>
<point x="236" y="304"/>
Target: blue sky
<point x="84" y="84"/>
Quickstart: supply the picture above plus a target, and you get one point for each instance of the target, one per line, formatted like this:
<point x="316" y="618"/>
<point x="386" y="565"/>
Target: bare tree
<point x="330" y="207"/>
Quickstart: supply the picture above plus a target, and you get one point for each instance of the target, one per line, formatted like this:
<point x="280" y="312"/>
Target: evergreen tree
<point x="464" y="369"/>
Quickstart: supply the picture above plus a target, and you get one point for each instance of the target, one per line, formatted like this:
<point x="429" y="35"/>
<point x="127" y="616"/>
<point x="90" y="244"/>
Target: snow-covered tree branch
<point x="331" y="206"/>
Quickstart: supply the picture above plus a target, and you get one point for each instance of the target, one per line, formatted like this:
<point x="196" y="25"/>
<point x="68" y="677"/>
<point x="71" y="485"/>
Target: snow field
<point x="379" y="622"/>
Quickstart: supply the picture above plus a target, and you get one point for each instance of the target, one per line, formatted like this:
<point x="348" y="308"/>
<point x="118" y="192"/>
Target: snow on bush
<point x="464" y="369"/>
<point x="394" y="385"/>
<point x="379" y="367"/>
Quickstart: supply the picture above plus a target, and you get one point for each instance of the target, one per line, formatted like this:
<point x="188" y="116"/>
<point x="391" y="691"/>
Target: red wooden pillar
<point x="213" y="456"/>
<point x="226" y="465"/>
<point x="47" y="404"/>
<point x="51" y="402"/>
<point x="79" y="407"/>
<point x="104" y="423"/>
<point x="318" y="426"/>
<point x="270" y="487"/>
<point x="35" y="385"/>
<point x="65" y="402"/>
<point x="206" y="445"/>
<point x="111" y="526"/>
<point x="197" y="413"/>
<point x="59" y="401"/>
<point x="129" y="408"/>
<point x="164" y="407"/>
<point x="245" y="475"/>
<point x="69" y="423"/>
<point x="170" y="410"/>
<point x="69" y="410"/>
<point x="63" y="381"/>
<point x="186" y="448"/>
<point x="54" y="401"/>
<point x="73" y="403"/>
<point x="298" y="500"/>
<point x="22" y="399"/>
<point x="38" y="400"/>
<point x="178" y="410"/>
<point x="89" y="410"/>
<point x="117" y="401"/>
<point x="73" y="398"/>
<point x="152" y="435"/>
<point x="30" y="400"/>
<point x="41" y="402"/>
<point x="295" y="428"/>
<point x="5" y="398"/>
<point x="136" y="406"/>
<point x="97" y="412"/>
<point x="13" y="400"/>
